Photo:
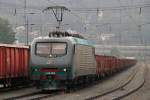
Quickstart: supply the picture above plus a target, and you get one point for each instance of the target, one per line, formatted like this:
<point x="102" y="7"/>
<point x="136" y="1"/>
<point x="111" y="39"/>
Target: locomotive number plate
<point x="51" y="73"/>
<point x="50" y="61"/>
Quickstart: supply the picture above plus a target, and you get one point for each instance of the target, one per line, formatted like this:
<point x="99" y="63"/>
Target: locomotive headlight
<point x="35" y="70"/>
<point x="65" y="69"/>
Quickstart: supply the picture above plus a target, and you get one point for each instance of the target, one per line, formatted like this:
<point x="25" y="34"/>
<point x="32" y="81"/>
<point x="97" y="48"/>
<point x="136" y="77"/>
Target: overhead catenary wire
<point x="80" y="10"/>
<point x="76" y="15"/>
<point x="91" y="10"/>
<point x="94" y="9"/>
<point x="81" y="18"/>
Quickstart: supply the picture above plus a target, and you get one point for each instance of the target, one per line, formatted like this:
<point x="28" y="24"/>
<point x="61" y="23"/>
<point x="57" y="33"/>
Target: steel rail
<point x="134" y="90"/>
<point x="35" y="95"/>
<point x="125" y="84"/>
<point x="122" y="82"/>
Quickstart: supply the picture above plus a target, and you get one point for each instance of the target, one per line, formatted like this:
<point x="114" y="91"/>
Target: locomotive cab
<point x="51" y="60"/>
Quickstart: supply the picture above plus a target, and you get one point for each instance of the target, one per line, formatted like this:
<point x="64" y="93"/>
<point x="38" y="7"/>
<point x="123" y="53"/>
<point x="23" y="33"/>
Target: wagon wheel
<point x="4" y="83"/>
<point x="8" y="82"/>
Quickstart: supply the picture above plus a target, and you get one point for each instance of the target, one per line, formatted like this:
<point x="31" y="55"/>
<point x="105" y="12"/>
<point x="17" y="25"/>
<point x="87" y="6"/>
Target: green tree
<point x="7" y="35"/>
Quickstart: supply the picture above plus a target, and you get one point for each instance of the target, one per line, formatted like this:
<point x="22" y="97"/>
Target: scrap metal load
<point x="106" y="65"/>
<point x="14" y="64"/>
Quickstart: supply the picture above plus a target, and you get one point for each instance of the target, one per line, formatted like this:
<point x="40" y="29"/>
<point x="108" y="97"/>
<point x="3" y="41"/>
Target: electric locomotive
<point x="61" y="58"/>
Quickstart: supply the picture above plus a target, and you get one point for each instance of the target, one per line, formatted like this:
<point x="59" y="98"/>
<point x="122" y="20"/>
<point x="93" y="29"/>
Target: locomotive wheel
<point x="84" y="81"/>
<point x="88" y="80"/>
<point x="68" y="86"/>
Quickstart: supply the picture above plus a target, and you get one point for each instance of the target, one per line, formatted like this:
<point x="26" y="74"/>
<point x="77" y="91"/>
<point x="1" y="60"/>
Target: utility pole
<point x="58" y="12"/>
<point x="26" y="21"/>
<point x="27" y="26"/>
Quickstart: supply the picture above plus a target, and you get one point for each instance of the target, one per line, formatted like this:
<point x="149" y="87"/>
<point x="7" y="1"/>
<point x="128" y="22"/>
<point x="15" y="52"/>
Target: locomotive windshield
<point x="51" y="49"/>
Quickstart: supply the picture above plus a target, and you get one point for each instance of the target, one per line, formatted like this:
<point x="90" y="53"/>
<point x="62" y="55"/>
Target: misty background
<point x="123" y="22"/>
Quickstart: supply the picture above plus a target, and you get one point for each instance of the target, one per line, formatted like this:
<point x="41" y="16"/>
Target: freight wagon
<point x="62" y="62"/>
<point x="106" y="65"/>
<point x="14" y="64"/>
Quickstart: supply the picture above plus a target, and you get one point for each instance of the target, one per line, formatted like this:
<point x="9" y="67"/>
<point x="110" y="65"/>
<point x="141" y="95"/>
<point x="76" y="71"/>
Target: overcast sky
<point x="113" y="16"/>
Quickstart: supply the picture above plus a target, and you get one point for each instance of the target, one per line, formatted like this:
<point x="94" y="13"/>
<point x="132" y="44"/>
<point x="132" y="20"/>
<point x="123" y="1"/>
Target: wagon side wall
<point x="14" y="62"/>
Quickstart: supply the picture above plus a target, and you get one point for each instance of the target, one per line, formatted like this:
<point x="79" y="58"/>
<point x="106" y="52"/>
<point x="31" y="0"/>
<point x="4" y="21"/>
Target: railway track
<point x="43" y="95"/>
<point x="39" y="95"/>
<point x="134" y="82"/>
<point x="35" y="95"/>
<point x="15" y="88"/>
